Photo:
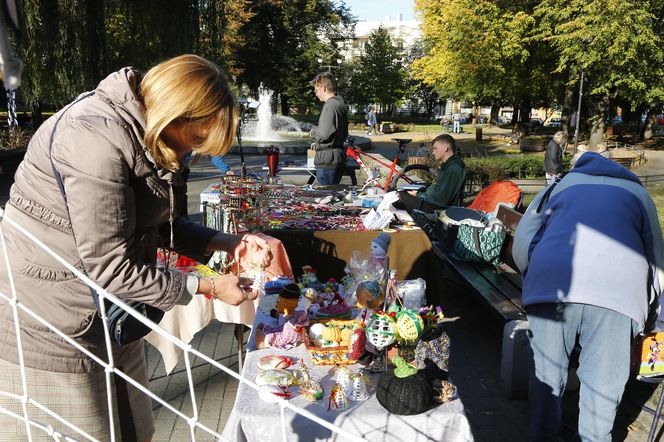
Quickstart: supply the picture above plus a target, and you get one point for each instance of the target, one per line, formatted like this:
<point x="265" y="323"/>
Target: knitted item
<point x="404" y="396"/>
<point x="437" y="349"/>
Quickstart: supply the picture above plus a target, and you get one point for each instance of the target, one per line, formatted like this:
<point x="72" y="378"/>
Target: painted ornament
<point x="310" y="389"/>
<point x="273" y="362"/>
<point x="369" y="294"/>
<point x="381" y="330"/>
<point x="270" y="393"/>
<point x="274" y="377"/>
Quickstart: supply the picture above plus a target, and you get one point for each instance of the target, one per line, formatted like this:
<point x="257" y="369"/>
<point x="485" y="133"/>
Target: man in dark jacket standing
<point x="553" y="158"/>
<point x="331" y="132"/>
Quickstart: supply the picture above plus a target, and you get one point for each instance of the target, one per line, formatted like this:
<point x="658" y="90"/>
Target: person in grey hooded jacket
<point x="119" y="152"/>
<point x="331" y="133"/>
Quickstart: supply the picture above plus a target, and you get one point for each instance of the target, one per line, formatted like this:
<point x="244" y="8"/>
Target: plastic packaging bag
<point x="412" y="292"/>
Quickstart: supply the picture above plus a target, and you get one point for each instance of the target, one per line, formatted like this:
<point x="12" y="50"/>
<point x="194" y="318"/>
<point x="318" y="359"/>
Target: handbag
<point x="122" y="326"/>
<point x="476" y="244"/>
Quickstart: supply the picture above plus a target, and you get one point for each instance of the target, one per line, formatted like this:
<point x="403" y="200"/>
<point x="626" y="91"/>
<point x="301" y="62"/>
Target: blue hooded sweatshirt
<point x="596" y="241"/>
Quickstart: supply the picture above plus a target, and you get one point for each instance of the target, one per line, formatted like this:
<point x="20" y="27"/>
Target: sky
<point x="378" y="9"/>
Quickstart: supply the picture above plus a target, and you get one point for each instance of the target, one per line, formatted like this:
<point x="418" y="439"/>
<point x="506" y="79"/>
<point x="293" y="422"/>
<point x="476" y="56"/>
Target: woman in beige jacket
<point x="118" y="151"/>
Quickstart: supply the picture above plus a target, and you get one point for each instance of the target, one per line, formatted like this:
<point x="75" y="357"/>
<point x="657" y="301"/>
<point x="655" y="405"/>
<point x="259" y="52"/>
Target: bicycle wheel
<point x="411" y="178"/>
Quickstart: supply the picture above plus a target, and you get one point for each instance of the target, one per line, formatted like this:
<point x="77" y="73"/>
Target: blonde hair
<point x="195" y="91"/>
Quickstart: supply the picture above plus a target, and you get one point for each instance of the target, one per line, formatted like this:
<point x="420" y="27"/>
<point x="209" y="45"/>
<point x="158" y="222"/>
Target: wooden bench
<point x="499" y="289"/>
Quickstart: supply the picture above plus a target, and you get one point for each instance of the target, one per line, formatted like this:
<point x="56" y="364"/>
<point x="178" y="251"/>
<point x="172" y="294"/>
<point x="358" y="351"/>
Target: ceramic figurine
<point x="310" y="389"/>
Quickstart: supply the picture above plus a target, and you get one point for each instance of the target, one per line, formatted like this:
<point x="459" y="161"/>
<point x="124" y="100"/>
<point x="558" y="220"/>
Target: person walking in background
<point x="456" y="122"/>
<point x="553" y="158"/>
<point x="118" y="155"/>
<point x="331" y="133"/>
<point x="372" y="122"/>
<point x="591" y="258"/>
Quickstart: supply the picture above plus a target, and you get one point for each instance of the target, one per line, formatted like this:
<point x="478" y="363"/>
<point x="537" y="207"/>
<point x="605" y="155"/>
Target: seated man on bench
<point x="448" y="189"/>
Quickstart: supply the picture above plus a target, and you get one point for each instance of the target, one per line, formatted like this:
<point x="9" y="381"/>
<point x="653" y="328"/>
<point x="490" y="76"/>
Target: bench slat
<point x="501" y="305"/>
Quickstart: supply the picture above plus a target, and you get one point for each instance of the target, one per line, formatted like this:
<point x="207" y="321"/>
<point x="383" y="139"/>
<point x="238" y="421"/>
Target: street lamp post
<point x="329" y="67"/>
<point x="578" y="116"/>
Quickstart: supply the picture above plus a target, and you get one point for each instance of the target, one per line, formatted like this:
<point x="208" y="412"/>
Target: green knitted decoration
<point x="403" y="369"/>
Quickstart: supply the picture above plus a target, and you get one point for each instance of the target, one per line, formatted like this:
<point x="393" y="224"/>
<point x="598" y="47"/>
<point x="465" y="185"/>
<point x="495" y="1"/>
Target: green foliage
<point x="380" y="76"/>
<point x="483" y="171"/>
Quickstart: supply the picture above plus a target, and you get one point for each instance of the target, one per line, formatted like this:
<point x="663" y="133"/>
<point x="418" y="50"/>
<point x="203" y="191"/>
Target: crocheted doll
<point x="288" y="300"/>
<point x="379" y="247"/>
<point x="283" y="337"/>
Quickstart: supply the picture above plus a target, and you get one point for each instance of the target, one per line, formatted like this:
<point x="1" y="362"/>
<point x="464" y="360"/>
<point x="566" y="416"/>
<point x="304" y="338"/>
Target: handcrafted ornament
<point x="409" y="325"/>
<point x="288" y="299"/>
<point x="270" y="393"/>
<point x="434" y="346"/>
<point x="358" y="391"/>
<point x="310" y="389"/>
<point x="274" y="362"/>
<point x="258" y="285"/>
<point x="336" y="311"/>
<point x="338" y="399"/>
<point x="274" y="377"/>
<point x="445" y="391"/>
<point x="379" y="247"/>
<point x="404" y="392"/>
<point x="283" y="336"/>
<point x="369" y="294"/>
<point x="381" y="330"/>
<point x="342" y="377"/>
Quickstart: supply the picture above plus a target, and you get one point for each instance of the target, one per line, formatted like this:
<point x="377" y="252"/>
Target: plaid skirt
<point x="80" y="399"/>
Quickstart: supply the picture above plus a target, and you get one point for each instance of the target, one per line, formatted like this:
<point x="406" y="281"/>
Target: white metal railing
<point x="109" y="366"/>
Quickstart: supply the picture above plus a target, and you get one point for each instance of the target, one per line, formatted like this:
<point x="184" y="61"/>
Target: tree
<point x="284" y="39"/>
<point x="615" y="43"/>
<point x="381" y="70"/>
<point x="418" y="90"/>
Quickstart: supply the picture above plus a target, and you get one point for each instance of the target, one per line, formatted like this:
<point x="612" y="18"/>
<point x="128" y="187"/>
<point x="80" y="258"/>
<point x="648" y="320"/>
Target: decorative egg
<point x="272" y="362"/>
<point x="270" y="393"/>
<point x="274" y="377"/>
<point x="409" y="325"/>
<point x="369" y="294"/>
<point x="381" y="330"/>
<point x="312" y="390"/>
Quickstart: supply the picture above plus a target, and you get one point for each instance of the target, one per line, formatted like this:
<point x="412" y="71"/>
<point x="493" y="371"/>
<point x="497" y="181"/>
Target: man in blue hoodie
<point x="590" y="253"/>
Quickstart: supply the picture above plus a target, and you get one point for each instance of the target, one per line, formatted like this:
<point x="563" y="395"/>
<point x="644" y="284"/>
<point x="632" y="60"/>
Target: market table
<point x="252" y="419"/>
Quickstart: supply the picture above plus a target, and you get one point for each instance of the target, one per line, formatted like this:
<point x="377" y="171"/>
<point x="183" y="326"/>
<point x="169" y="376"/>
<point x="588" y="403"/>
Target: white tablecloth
<point x="184" y="321"/>
<point x="252" y="419"/>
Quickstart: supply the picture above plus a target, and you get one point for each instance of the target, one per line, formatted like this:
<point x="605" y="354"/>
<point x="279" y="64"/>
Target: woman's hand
<point x="257" y="246"/>
<point x="225" y="288"/>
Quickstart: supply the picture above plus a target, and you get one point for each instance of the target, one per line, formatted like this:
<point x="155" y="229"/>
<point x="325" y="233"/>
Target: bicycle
<point x="374" y="175"/>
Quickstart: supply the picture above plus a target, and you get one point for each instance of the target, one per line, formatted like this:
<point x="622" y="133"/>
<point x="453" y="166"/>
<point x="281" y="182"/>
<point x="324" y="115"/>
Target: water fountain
<point x="267" y="129"/>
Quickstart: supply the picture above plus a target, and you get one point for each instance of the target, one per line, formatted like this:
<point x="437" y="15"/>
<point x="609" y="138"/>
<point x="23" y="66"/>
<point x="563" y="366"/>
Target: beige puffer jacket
<point x="120" y="203"/>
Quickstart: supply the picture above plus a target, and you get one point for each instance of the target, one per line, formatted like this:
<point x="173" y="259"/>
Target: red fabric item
<point x="497" y="192"/>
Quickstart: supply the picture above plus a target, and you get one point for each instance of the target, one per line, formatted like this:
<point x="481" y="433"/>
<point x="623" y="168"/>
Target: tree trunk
<point x="494" y="113"/>
<point x="285" y="107"/>
<point x="37" y="117"/>
<point x="597" y="130"/>
<point x="647" y="129"/>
